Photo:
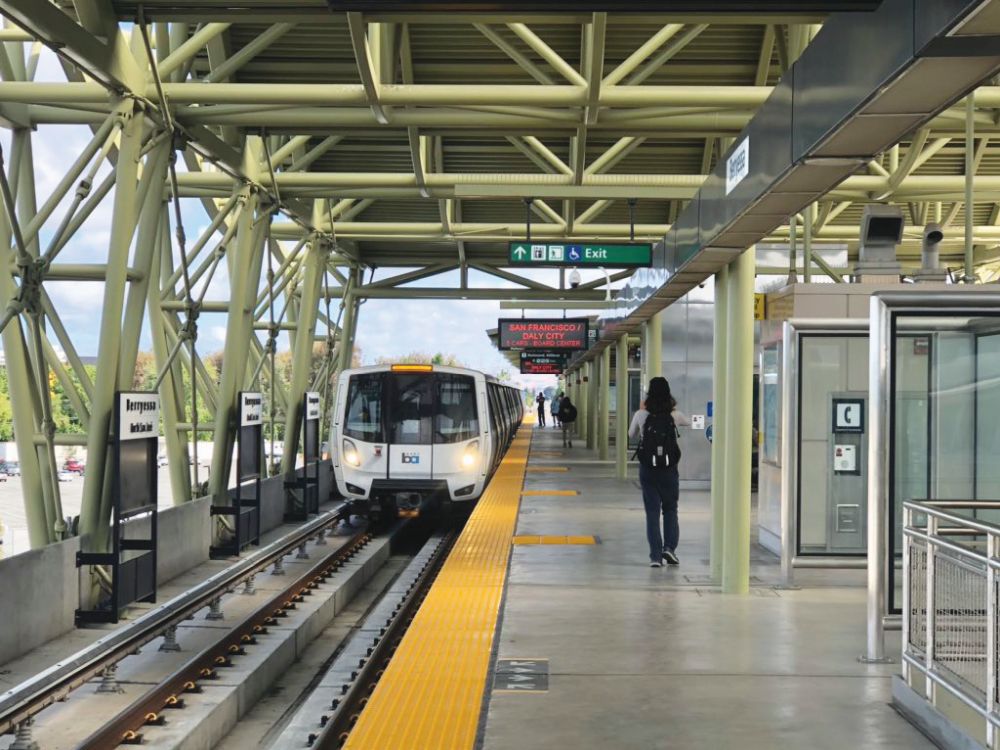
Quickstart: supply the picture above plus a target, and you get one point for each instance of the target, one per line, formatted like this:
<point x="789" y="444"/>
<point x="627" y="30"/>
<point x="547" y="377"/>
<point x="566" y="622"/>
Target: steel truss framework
<point x="323" y="146"/>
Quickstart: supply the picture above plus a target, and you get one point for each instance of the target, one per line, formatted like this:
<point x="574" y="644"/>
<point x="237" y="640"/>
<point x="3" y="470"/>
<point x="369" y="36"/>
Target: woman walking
<point x="655" y="426"/>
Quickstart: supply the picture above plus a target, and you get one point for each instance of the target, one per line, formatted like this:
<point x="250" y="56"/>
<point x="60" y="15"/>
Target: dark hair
<point x="659" y="400"/>
<point x="565" y="402"/>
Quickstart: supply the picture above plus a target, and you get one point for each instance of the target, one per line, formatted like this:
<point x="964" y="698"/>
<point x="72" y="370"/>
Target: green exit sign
<point x="629" y="255"/>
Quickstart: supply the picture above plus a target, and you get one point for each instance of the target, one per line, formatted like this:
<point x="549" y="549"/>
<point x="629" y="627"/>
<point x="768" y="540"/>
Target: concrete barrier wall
<point x="39" y="591"/>
<point x="185" y="534"/>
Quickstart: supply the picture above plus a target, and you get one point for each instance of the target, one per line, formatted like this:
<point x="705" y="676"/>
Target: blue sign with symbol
<point x="708" y="433"/>
<point x="709" y="410"/>
<point x="574" y="252"/>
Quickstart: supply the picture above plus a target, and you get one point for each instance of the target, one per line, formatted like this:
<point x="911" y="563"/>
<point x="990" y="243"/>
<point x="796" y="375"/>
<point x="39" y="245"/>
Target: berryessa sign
<point x="251" y="409"/>
<point x="562" y="334"/>
<point x="738" y="165"/>
<point x="312" y="405"/>
<point x="138" y="415"/>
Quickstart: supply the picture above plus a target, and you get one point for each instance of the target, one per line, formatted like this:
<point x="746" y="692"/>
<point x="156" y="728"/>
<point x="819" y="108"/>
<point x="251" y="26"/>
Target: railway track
<point x="21" y="704"/>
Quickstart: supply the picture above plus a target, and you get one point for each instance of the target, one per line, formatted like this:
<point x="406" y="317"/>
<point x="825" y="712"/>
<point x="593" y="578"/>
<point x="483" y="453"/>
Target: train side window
<point x="363" y="419"/>
<point x="456" y="419"/>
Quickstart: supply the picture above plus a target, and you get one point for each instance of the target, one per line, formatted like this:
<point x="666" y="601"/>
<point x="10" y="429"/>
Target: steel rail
<point x="33" y="695"/>
<point x="125" y="728"/>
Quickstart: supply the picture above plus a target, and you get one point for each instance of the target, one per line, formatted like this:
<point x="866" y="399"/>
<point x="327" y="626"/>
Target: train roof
<point x="414" y="367"/>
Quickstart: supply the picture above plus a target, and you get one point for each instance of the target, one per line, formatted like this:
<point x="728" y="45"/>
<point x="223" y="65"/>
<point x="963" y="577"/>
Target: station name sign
<point x="312" y="405"/>
<point x="561" y="254"/>
<point x="250" y="409"/>
<point x="138" y="415"/>
<point x="561" y="334"/>
<point x="543" y="363"/>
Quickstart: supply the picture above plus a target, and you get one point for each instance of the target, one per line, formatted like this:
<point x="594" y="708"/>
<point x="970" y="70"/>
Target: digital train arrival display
<point x="561" y="334"/>
<point x="543" y="363"/>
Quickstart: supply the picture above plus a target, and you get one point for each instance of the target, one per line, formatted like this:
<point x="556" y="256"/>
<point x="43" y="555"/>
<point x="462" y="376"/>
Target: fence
<point x="950" y="614"/>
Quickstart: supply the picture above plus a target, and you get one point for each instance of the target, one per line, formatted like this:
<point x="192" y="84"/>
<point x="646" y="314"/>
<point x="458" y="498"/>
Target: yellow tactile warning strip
<point x="529" y="539"/>
<point x="432" y="691"/>
<point x="546" y="469"/>
<point x="554" y="493"/>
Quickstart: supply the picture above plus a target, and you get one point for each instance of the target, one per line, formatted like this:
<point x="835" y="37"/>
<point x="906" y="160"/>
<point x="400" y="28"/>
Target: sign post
<point x="132" y="559"/>
<point x="552" y="334"/>
<point x="245" y="510"/>
<point x="563" y="254"/>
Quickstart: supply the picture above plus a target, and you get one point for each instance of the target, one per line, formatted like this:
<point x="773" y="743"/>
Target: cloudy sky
<point x="386" y="328"/>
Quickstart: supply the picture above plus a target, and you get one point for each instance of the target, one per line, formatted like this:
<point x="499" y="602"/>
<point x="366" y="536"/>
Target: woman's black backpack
<point x="567" y="413"/>
<point x="658" y="446"/>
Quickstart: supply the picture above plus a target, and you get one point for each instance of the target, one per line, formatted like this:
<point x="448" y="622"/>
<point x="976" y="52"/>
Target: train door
<point x="411" y="416"/>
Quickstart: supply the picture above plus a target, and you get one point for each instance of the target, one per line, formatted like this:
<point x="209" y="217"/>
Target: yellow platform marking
<point x="432" y="691"/>
<point x="532" y="539"/>
<point x="555" y="493"/>
<point x="546" y="469"/>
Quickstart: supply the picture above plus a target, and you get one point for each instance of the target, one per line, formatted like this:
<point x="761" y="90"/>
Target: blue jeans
<point x="660" y="491"/>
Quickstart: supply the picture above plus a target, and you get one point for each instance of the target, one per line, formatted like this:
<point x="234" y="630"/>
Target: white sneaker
<point x="655" y="564"/>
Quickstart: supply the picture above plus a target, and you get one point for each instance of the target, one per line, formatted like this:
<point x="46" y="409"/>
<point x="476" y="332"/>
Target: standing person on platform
<point x="655" y="426"/>
<point x="540" y="401"/>
<point x="554" y="408"/>
<point x="567" y="417"/>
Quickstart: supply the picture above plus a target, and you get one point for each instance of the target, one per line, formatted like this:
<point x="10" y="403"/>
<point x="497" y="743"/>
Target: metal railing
<point x="950" y="605"/>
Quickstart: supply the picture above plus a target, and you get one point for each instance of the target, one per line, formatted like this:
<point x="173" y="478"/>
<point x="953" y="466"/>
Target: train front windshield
<point x="420" y="408"/>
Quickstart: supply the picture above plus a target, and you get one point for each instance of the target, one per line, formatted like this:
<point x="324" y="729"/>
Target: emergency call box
<point x="845" y="459"/>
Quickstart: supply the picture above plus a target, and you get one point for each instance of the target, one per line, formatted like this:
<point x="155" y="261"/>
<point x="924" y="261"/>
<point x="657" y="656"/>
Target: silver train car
<point x="404" y="437"/>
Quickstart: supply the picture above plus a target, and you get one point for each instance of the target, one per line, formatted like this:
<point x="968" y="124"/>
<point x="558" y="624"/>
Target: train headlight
<point x="471" y="454"/>
<point x="351" y="455"/>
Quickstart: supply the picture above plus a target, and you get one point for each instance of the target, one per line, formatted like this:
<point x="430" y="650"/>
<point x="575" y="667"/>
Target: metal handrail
<point x="985" y="563"/>
<point x="31" y="696"/>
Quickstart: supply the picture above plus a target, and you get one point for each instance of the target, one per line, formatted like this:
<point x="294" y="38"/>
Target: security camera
<point x="574" y="279"/>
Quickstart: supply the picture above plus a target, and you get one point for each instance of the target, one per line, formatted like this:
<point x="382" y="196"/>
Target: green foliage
<point x="422" y="358"/>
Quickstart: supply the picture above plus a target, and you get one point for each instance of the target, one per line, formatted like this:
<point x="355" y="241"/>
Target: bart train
<point x="404" y="437"/>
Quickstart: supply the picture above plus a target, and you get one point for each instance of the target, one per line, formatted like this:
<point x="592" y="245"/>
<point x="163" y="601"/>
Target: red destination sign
<point x="563" y="334"/>
<point x="543" y="363"/>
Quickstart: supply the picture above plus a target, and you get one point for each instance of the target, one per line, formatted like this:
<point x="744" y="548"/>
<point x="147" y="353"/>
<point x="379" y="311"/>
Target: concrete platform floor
<point x="642" y="657"/>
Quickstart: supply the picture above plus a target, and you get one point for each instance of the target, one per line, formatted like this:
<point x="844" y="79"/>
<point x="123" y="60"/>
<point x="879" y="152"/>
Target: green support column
<point x="719" y="376"/>
<point x="349" y="327"/>
<point x="247" y="257"/>
<point x="316" y="258"/>
<point x="621" y="407"/>
<point x="604" y="397"/>
<point x="739" y="425"/>
<point x="593" y="402"/>
<point x="171" y="389"/>
<point x="581" y="403"/>
<point x="93" y="520"/>
<point x="653" y="330"/>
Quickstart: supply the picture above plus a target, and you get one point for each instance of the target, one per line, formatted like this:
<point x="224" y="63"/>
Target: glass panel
<point x="946" y="406"/>
<point x="831" y="454"/>
<point x="456" y="419"/>
<point x="412" y="409"/>
<point x="770" y="373"/>
<point x="364" y="408"/>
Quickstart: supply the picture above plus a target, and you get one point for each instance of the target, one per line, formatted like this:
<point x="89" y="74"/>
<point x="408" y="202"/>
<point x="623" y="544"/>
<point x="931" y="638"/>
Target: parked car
<point x="11" y="469"/>
<point x="74" y="465"/>
<point x="3" y="477"/>
<point x="66" y="476"/>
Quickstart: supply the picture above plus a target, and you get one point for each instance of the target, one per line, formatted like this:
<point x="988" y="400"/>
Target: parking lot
<point x="12" y="517"/>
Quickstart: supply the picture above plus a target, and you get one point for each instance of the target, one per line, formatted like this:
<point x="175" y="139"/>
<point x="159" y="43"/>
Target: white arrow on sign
<point x="521" y="687"/>
<point x="520" y="678"/>
<point x="522" y="670"/>
<point x="522" y="663"/>
<point x="520" y="252"/>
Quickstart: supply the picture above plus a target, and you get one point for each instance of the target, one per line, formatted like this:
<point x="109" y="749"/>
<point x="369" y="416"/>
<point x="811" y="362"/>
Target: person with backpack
<point x="567" y="416"/>
<point x="540" y="401"/>
<point x="655" y="426"/>
<point x="554" y="405"/>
